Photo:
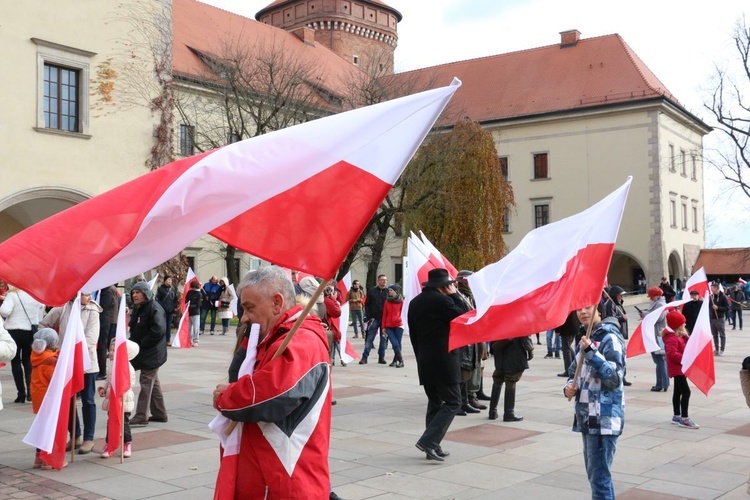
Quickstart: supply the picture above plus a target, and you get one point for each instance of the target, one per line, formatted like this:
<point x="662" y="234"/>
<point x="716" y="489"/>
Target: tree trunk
<point x="377" y="249"/>
<point x="229" y="261"/>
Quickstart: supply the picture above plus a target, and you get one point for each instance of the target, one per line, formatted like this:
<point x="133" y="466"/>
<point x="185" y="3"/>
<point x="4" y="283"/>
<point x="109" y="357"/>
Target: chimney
<point x="305" y="34"/>
<point x="569" y="38"/>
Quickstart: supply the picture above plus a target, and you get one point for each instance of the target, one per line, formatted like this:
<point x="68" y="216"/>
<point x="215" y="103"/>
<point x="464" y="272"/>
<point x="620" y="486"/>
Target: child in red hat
<point x="675" y="337"/>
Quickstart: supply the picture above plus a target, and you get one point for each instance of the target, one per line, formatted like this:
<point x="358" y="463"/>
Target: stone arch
<point x="25" y="208"/>
<point x="675" y="269"/>
<point x="625" y="270"/>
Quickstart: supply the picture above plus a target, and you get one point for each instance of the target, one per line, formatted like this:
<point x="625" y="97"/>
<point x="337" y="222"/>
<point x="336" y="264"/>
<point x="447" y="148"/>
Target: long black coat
<point x="148" y="329"/>
<point x="430" y="314"/>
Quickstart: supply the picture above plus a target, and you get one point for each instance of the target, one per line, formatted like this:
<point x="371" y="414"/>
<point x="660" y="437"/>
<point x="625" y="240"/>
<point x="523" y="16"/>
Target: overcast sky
<point x="679" y="41"/>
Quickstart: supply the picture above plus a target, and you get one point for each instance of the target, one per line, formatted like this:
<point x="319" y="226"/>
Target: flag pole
<point x="579" y="361"/>
<point x="308" y="307"/>
<point x="122" y="430"/>
<point x="72" y="428"/>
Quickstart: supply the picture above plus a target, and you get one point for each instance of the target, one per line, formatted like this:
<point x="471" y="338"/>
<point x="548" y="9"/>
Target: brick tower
<point x="363" y="32"/>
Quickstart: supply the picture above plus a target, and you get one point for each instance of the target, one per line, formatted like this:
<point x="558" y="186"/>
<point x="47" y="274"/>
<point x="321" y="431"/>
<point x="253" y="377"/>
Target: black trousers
<point x="443" y="402"/>
<point x="21" y="364"/>
<point x="681" y="396"/>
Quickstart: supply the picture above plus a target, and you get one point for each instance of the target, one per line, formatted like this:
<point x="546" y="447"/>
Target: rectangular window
<point x="694" y="204"/>
<point x="504" y="166"/>
<point x="187" y="135"/>
<point x="541" y="215"/>
<point x="683" y="163"/>
<point x="540" y="166"/>
<point x="506" y="221"/>
<point x="672" y="167"/>
<point x="61" y="98"/>
<point x="672" y="210"/>
<point x="694" y="169"/>
<point x="398" y="272"/>
<point x="191" y="262"/>
<point x="684" y="214"/>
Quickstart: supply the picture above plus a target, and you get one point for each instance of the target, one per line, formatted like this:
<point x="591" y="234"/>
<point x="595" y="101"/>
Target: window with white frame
<point x="62" y="89"/>
<point x="694" y="168"/>
<point x="672" y="167"/>
<point x="694" y="207"/>
<point x="673" y="209"/>
<point x="187" y="137"/>
<point x="684" y="213"/>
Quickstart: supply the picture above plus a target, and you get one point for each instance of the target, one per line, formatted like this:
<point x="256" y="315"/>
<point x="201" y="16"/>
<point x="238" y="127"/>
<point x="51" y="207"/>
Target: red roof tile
<point x="724" y="261"/>
<point x="208" y="29"/>
<point x="594" y="72"/>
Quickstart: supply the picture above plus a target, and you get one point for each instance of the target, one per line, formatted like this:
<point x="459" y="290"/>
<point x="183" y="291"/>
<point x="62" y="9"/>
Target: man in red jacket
<point x="285" y="404"/>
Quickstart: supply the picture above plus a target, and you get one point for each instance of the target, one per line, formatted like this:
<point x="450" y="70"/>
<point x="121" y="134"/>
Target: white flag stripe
<point x="416" y="256"/>
<point x="379" y="139"/>
<point x="701" y="335"/>
<point x="533" y="264"/>
<point x="698" y="277"/>
<point x="649" y="322"/>
<point x="152" y="282"/>
<point x="120" y="338"/>
<point x="344" y="321"/>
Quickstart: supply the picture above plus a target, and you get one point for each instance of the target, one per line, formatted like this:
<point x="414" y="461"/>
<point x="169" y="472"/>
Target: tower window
<point x="355" y="60"/>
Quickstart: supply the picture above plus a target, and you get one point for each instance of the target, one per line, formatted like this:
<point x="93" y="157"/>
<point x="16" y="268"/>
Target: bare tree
<point x="729" y="104"/>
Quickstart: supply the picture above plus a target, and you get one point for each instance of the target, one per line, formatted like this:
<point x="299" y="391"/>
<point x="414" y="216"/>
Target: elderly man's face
<point x="138" y="297"/>
<point x="214" y="279"/>
<point x="261" y="307"/>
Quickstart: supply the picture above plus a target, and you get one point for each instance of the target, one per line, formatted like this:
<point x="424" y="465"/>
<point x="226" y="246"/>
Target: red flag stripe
<point x="701" y="372"/>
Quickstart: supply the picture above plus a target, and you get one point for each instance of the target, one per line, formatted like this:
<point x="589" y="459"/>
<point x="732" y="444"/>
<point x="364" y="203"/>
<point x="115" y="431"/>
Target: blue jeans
<point x="662" y="378"/>
<point x="372" y="331"/>
<point x="357" y="317"/>
<point x="88" y="407"/>
<point x="598" y="454"/>
<point x="554" y="343"/>
<point x="204" y="316"/>
<point x="394" y="336"/>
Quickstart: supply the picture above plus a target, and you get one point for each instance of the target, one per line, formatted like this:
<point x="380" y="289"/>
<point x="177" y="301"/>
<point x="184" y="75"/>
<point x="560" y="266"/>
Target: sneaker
<point x="688" y="424"/>
<point x="557" y="355"/>
<point x="721" y="353"/>
<point x="342" y="363"/>
<point x="548" y="356"/>
<point x="676" y="420"/>
<point x="105" y="453"/>
<point x="127" y="451"/>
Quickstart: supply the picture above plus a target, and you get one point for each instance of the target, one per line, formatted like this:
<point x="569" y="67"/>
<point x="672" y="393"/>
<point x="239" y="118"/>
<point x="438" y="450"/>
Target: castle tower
<point x="363" y="32"/>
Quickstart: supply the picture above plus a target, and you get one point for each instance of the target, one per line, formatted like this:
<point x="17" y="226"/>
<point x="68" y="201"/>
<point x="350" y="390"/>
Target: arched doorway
<point x="23" y="209"/>
<point x="674" y="268"/>
<point x="624" y="271"/>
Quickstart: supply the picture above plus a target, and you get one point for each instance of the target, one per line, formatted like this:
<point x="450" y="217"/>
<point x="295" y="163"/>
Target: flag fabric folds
<point x="698" y="282"/>
<point x="555" y="269"/>
<point x="182" y="339"/>
<point x="119" y="382"/>
<point x="49" y="430"/>
<point x="226" y="480"/>
<point x="348" y="354"/>
<point x="640" y="342"/>
<point x="698" y="358"/>
<point x="257" y="195"/>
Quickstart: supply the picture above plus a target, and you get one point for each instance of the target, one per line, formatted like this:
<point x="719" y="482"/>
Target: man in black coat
<point x="148" y="330"/>
<point x="692" y="309"/>
<point x="429" y="317"/>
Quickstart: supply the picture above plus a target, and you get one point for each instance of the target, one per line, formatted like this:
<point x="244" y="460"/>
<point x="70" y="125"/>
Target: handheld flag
<point x="698" y="358"/>
<point x="119" y="382"/>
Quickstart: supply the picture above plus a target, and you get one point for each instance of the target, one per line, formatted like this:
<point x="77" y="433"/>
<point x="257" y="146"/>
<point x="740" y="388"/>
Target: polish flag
<point x="49" y="430"/>
<point x="419" y="261"/>
<point x="698" y="358"/>
<point x="182" y="339"/>
<point x="119" y="383"/>
<point x="698" y="281"/>
<point x="348" y="354"/>
<point x="555" y="269"/>
<point x="258" y="195"/>
<point x="741" y="281"/>
<point x="436" y="253"/>
<point x="226" y="480"/>
<point x="185" y="289"/>
<point x="640" y="343"/>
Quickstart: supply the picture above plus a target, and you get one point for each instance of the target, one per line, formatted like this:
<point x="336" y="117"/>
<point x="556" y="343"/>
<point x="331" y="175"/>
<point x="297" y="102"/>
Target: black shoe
<point x="626" y="383"/>
<point x="363" y="361"/>
<point x="493" y="414"/>
<point x="563" y="374"/>
<point x="469" y="409"/>
<point x="481" y="396"/>
<point x="381" y="361"/>
<point x="548" y="356"/>
<point x="430" y="452"/>
<point x="28" y="398"/>
<point x="657" y="389"/>
<point x="461" y="413"/>
<point x="400" y="364"/>
<point x="21" y="398"/>
<point x="154" y="419"/>
<point x="442" y="452"/>
<point x="333" y="402"/>
<point x="138" y="423"/>
<point x="101" y="377"/>
<point x="511" y="417"/>
<point x="334" y="496"/>
<point x="557" y="355"/>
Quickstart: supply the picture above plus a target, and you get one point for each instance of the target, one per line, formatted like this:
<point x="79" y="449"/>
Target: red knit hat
<point x="675" y="319"/>
<point x="654" y="291"/>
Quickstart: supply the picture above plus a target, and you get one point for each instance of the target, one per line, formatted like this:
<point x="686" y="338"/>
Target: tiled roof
<point x="594" y="72"/>
<point x="277" y="3"/>
<point x="724" y="261"/>
<point x="206" y="29"/>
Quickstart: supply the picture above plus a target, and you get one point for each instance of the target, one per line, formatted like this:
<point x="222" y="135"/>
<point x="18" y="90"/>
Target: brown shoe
<point x="476" y="404"/>
<point x="86" y="448"/>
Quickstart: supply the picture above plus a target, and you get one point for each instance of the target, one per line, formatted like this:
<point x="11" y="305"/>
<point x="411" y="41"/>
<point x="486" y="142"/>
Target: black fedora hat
<point x="437" y="278"/>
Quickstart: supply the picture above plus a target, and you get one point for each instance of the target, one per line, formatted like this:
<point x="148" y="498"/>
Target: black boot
<point x="400" y="361"/>
<point x="395" y="360"/>
<point x="510" y="402"/>
<point x="494" y="400"/>
<point x="481" y="396"/>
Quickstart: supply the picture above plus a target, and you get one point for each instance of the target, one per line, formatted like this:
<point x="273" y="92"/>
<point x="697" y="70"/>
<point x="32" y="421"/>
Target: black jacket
<point x="429" y="317"/>
<point x="166" y="296"/>
<point x="511" y="355"/>
<point x="148" y="329"/>
<point x="690" y="310"/>
<point x="721" y="301"/>
<point x="374" y="303"/>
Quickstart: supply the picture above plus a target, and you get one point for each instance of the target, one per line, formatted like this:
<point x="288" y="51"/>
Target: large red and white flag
<point x="189" y="278"/>
<point x="436" y="253"/>
<point x="698" y="282"/>
<point x="555" y="269"/>
<point x="348" y="354"/>
<point x="421" y="257"/>
<point x="49" y="430"/>
<point x="182" y="339"/>
<point x="226" y="480"/>
<point x="119" y="382"/>
<point x="258" y="195"/>
<point x="641" y="343"/>
<point x="698" y="358"/>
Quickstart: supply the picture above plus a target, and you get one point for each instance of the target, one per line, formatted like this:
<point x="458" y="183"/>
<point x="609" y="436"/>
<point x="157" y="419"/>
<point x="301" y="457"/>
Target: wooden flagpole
<point x="73" y="428"/>
<point x="579" y="362"/>
<point x="308" y="307"/>
<point x="122" y="429"/>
